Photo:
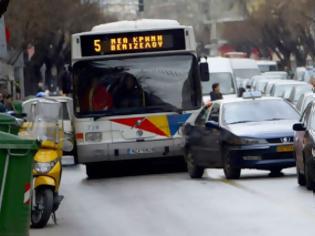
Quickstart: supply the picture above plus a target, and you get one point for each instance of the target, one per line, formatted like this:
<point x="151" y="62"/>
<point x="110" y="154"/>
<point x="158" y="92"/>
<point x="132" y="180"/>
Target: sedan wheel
<point x="308" y="179"/>
<point x="195" y="171"/>
<point x="300" y="177"/>
<point x="229" y="171"/>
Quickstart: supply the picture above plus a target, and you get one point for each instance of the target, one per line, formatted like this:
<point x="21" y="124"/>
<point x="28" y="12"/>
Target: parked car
<point x="257" y="78"/>
<point x="282" y="74"/>
<point x="304" y="100"/>
<point x="283" y="89"/>
<point x="304" y="145"/>
<point x="267" y="65"/>
<point x="298" y="91"/>
<point x="260" y="85"/>
<point x="220" y="71"/>
<point x="241" y="133"/>
<point x="308" y="74"/>
<point x="270" y="85"/>
<point x="299" y="73"/>
<point x="244" y="68"/>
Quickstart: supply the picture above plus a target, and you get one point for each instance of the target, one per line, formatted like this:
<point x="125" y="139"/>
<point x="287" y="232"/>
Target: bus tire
<point x="92" y="171"/>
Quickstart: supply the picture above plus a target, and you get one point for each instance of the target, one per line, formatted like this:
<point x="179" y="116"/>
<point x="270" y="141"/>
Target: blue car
<point x="252" y="132"/>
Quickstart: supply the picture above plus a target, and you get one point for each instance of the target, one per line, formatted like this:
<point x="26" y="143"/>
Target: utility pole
<point x="221" y="12"/>
<point x="3" y="40"/>
<point x="140" y="8"/>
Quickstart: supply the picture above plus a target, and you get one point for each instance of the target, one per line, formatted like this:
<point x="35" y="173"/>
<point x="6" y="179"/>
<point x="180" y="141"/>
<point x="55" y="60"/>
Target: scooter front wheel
<point x="43" y="208"/>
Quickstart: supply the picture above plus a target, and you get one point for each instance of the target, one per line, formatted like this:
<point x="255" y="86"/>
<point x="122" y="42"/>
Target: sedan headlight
<point x="93" y="137"/>
<point x="44" y="167"/>
<point x="246" y="141"/>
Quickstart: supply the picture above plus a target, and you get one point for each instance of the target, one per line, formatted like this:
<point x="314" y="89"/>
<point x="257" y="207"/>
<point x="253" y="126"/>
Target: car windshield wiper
<point x="274" y="119"/>
<point x="241" y="122"/>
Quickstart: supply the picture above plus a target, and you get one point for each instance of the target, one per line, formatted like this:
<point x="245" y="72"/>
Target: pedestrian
<point x="216" y="93"/>
<point x="8" y="102"/>
<point x="66" y="81"/>
<point x="2" y="107"/>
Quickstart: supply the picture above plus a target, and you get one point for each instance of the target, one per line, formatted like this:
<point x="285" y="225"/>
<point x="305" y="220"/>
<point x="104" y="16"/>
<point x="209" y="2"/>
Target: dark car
<point x="304" y="145"/>
<point x="241" y="133"/>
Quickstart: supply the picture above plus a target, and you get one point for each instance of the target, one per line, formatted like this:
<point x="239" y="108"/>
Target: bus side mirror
<point x="204" y="71"/>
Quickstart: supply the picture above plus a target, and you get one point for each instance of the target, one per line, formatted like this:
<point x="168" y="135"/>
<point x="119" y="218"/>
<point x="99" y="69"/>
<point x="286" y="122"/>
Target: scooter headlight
<point x="44" y="167"/>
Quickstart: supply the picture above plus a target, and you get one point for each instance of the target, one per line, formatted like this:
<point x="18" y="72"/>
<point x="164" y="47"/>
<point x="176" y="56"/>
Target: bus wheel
<point x="92" y="171"/>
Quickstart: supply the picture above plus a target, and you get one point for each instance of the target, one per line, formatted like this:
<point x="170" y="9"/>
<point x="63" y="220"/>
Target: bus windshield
<point x="136" y="85"/>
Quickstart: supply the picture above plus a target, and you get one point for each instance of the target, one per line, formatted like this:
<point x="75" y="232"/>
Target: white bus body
<point x="169" y="76"/>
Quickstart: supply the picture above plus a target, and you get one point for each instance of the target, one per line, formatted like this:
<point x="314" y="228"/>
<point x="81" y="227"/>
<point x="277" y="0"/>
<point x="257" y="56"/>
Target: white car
<point x="266" y="65"/>
<point x="256" y="78"/>
<point x="304" y="100"/>
<point x="269" y="86"/>
<point x="220" y="72"/>
<point x="308" y="74"/>
<point x="298" y="91"/>
<point x="260" y="85"/>
<point x="282" y="74"/>
<point x="299" y="73"/>
<point x="283" y="89"/>
<point x="244" y="68"/>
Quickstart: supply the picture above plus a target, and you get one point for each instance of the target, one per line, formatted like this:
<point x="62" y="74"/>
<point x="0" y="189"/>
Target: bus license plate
<point x="287" y="148"/>
<point x="140" y="150"/>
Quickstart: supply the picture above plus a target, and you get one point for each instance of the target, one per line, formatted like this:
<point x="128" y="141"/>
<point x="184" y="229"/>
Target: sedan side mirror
<point x="299" y="127"/>
<point x="212" y="125"/>
<point x="204" y="71"/>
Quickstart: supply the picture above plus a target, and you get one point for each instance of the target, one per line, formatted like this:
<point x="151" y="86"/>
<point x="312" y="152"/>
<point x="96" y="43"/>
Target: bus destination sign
<point x="135" y="42"/>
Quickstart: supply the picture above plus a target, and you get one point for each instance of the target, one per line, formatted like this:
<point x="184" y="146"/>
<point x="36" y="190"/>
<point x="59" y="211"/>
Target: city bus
<point x="135" y="84"/>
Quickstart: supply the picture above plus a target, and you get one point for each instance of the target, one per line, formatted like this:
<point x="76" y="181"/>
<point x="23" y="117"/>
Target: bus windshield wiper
<point x="164" y="109"/>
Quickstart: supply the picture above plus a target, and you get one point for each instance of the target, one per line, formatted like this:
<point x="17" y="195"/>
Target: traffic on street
<point x="116" y="119"/>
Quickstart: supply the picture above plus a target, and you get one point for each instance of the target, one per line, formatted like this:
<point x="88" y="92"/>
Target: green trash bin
<point x="17" y="106"/>
<point x="9" y="124"/>
<point x="16" y="163"/>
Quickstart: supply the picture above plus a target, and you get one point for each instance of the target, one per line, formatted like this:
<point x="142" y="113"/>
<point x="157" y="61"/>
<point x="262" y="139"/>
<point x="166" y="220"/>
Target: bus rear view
<point x="135" y="84"/>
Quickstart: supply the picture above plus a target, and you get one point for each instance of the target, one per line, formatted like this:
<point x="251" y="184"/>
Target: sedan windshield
<point x="257" y="111"/>
<point x="137" y="85"/>
<point x="225" y="80"/>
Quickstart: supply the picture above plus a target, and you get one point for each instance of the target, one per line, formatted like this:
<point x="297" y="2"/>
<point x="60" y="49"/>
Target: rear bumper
<point x="260" y="157"/>
<point x="89" y="153"/>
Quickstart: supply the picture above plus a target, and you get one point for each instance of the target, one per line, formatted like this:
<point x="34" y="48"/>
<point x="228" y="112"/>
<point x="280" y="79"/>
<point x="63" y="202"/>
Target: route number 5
<point x="97" y="45"/>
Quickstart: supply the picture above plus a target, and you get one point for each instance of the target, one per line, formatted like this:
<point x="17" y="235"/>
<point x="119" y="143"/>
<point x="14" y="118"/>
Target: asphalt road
<point x="158" y="204"/>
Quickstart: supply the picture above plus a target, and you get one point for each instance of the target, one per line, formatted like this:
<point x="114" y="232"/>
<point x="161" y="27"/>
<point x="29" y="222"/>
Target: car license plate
<point x="140" y="150"/>
<point x="286" y="148"/>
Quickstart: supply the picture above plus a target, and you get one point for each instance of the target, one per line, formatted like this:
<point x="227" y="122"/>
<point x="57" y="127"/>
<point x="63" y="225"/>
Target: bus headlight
<point x="44" y="167"/>
<point x="93" y="137"/>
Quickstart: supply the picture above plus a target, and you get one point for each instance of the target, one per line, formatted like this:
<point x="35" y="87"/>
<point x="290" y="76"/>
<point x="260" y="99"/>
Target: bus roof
<point x="143" y="24"/>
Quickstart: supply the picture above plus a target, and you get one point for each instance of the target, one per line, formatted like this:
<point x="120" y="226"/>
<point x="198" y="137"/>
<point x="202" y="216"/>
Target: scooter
<point x="47" y="128"/>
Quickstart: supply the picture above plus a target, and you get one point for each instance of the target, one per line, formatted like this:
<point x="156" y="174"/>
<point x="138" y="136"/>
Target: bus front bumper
<point x="89" y="153"/>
